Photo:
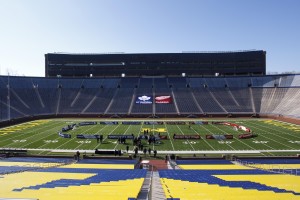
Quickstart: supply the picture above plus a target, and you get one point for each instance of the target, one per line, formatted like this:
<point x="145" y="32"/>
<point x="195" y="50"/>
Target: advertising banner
<point x="186" y="136"/>
<point x="132" y="123"/>
<point x="143" y="99"/>
<point x="87" y="136"/>
<point x="120" y="136"/>
<point x="153" y="123"/>
<point x="87" y="123"/>
<point x="163" y="99"/>
<point x="219" y="137"/>
<point x="176" y="123"/>
<point x="109" y="123"/>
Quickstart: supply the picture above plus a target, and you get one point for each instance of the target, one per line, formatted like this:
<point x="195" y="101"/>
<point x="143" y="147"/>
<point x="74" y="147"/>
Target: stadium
<point x="151" y="126"/>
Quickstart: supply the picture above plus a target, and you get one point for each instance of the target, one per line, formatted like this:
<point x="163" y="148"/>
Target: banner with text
<point x="163" y="99"/>
<point x="143" y="99"/>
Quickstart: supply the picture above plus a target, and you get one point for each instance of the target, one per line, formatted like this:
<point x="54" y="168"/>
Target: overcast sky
<point x="31" y="28"/>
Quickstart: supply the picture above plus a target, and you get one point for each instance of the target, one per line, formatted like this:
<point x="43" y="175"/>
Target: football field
<point x="272" y="136"/>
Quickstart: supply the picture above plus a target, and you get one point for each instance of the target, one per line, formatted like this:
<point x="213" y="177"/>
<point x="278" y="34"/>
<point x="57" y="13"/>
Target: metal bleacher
<point x="32" y="96"/>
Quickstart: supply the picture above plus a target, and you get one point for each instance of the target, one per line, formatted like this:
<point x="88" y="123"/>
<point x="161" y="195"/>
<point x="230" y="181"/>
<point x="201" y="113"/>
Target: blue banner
<point x="143" y="99"/>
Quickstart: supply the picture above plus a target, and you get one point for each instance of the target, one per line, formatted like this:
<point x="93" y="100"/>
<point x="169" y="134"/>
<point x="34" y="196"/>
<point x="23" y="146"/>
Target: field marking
<point x="93" y="134"/>
<point x="213" y="134"/>
<point x="208" y="131"/>
<point x="69" y="140"/>
<point x="42" y="132"/>
<point x="142" y="123"/>
<point x="52" y="123"/>
<point x="186" y="139"/>
<point x="25" y="124"/>
<point x="123" y="134"/>
<point x="107" y="134"/>
<point x="203" y="139"/>
<point x="153" y="134"/>
<point x="285" y="122"/>
<point x="281" y="132"/>
<point x="110" y="132"/>
<point x="252" y="139"/>
<point x="106" y="125"/>
<point x="15" y="134"/>
<point x="266" y="127"/>
<point x="92" y="127"/>
<point x="234" y="139"/>
<point x="169" y="136"/>
<point x="40" y="139"/>
<point x="263" y="135"/>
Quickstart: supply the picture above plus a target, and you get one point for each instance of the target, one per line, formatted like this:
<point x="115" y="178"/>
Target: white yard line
<point x="213" y="134"/>
<point x="20" y="132"/>
<point x="266" y="127"/>
<point x="21" y="124"/>
<point x="69" y="140"/>
<point x="252" y="139"/>
<point x="186" y="139"/>
<point x="203" y="138"/>
<point x="38" y="138"/>
<point x="55" y="139"/>
<point x="96" y="147"/>
<point x="169" y="136"/>
<point x="263" y="135"/>
<point x="286" y="122"/>
<point x="237" y="139"/>
<point x="123" y="134"/>
<point x="153" y="134"/>
<point x="142" y="123"/>
<point x="108" y="134"/>
<point x="93" y="134"/>
<point x="223" y="132"/>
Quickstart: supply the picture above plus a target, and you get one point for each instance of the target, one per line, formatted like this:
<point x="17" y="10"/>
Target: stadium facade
<point x="156" y="64"/>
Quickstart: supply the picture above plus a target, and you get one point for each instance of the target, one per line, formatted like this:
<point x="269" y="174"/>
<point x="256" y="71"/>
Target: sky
<point x="31" y="28"/>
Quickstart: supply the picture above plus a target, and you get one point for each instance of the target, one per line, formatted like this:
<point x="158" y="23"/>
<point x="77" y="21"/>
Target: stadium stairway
<point x="157" y="191"/>
<point x="144" y="192"/>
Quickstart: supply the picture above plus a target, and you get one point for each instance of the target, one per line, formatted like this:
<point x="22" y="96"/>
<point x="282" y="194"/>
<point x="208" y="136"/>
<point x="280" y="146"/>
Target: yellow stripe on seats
<point x="113" y="190"/>
<point x="193" y="191"/>
<point x="27" y="164"/>
<point x="26" y="179"/>
<point x="282" y="181"/>
<point x="276" y="166"/>
<point x="99" y="166"/>
<point x="214" y="167"/>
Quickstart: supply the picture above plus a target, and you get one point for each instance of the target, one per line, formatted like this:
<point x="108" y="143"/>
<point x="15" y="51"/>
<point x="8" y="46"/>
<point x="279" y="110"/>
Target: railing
<point x="37" y="166"/>
<point x="278" y="169"/>
<point x="150" y="185"/>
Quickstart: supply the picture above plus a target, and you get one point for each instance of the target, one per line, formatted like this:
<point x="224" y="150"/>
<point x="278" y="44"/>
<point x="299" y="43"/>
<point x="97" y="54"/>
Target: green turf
<point x="272" y="135"/>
